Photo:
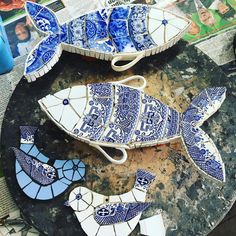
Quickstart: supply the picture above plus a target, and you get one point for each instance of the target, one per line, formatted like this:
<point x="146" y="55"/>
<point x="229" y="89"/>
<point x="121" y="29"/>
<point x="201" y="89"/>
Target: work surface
<point x="191" y="203"/>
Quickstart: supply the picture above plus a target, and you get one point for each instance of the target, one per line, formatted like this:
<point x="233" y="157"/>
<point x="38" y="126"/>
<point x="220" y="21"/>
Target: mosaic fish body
<point x="36" y="177"/>
<point x="119" y="33"/>
<point x="123" y="117"/>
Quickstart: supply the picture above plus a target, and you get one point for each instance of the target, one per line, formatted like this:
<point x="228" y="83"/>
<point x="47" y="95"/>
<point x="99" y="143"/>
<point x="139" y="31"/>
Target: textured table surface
<point x="191" y="203"/>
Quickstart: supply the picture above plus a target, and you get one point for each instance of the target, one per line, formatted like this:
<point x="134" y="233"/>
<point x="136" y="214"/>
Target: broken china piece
<point x="153" y="226"/>
<point x="123" y="117"/>
<point x="115" y="215"/>
<point x="36" y="177"/>
<point x="123" y="33"/>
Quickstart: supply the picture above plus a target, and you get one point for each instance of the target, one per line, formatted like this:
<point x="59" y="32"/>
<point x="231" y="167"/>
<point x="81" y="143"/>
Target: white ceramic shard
<point x="153" y="226"/>
<point x="109" y="215"/>
<point x="119" y="33"/>
<point x="124" y="117"/>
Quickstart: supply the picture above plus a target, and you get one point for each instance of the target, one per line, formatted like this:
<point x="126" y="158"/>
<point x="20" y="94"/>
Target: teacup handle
<point x="134" y="77"/>
<point x="133" y="57"/>
<point x="121" y="161"/>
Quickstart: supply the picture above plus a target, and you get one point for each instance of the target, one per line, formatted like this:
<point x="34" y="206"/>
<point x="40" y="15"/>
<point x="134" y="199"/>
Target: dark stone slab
<point x="192" y="204"/>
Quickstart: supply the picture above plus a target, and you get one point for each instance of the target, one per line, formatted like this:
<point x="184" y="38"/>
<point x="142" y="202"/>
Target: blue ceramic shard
<point x="108" y="214"/>
<point x="36" y="177"/>
<point x="123" y="117"/>
<point x="116" y="33"/>
<point x="97" y="218"/>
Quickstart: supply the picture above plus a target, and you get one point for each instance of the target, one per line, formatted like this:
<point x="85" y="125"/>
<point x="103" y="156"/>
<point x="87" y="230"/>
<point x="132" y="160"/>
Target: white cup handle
<point x="120" y="161"/>
<point x="134" y="77"/>
<point x="133" y="58"/>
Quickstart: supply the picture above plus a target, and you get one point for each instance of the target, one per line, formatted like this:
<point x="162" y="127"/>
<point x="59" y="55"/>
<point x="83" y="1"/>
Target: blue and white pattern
<point x="107" y="32"/>
<point x="121" y="116"/>
<point x="36" y="177"/>
<point x="120" y="214"/>
<point x="108" y="214"/>
<point x="143" y="180"/>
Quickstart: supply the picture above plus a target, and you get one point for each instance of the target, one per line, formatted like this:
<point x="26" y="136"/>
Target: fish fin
<point x="203" y="152"/>
<point x="43" y="18"/>
<point x="204" y="105"/>
<point x="43" y="57"/>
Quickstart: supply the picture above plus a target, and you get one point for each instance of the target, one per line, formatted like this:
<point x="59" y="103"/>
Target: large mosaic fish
<point x="123" y="117"/>
<point x="122" y="33"/>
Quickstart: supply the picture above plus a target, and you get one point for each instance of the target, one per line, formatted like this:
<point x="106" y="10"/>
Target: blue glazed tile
<point x="143" y="42"/>
<point x="32" y="189"/>
<point x="118" y="29"/>
<point x="124" y="44"/>
<point x="100" y="90"/>
<point x="120" y="13"/>
<point x="94" y="16"/>
<point x="64" y="34"/>
<point x="59" y="163"/>
<point x="27" y="133"/>
<point x="172" y="127"/>
<point x="33" y="9"/>
<point x="216" y="94"/>
<point x="192" y="115"/>
<point x="42" y="158"/>
<point x="60" y="173"/>
<point x="153" y="118"/>
<point x="96" y="30"/>
<point x="26" y="147"/>
<point x="58" y="187"/>
<point x="77" y="32"/>
<point x="23" y="179"/>
<point x="143" y="179"/>
<point x="109" y="214"/>
<point x="66" y="181"/>
<point x="45" y="193"/>
<point x="69" y="174"/>
<point x="125" y="116"/>
<point x="51" y="42"/>
<point x="139" y="12"/>
<point x="17" y="167"/>
<point x="33" y="62"/>
<point x="34" y="151"/>
<point x="47" y="21"/>
<point x="137" y="26"/>
<point x="102" y="46"/>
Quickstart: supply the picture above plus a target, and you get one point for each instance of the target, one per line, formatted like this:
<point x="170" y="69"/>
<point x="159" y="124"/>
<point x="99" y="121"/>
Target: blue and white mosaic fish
<point x="123" y="117"/>
<point x="127" y="32"/>
<point x="115" y="215"/>
<point x="36" y="177"/>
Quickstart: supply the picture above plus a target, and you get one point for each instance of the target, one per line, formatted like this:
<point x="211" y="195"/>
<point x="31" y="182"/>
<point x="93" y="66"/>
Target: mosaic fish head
<point x="127" y="32"/>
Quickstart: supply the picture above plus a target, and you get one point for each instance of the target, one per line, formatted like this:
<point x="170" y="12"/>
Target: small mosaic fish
<point x="122" y="33"/>
<point x="115" y="215"/>
<point x="36" y="177"/>
<point x="123" y="117"/>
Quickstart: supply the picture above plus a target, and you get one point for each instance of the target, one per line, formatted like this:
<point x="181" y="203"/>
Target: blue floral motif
<point x="172" y="127"/>
<point x="102" y="46"/>
<point x="114" y="213"/>
<point x="124" y="44"/>
<point x="143" y="42"/>
<point x="96" y="30"/>
<point x="33" y="8"/>
<point x="27" y="133"/>
<point x="118" y="29"/>
<point x="137" y="26"/>
<point x="120" y="13"/>
<point x="64" y="35"/>
<point x="47" y="21"/>
<point x="139" y="12"/>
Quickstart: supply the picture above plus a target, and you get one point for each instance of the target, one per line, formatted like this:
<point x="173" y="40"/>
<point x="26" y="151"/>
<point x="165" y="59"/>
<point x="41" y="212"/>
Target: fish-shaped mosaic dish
<point x="123" y="117"/>
<point x="36" y="177"/>
<point x="123" y="33"/>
